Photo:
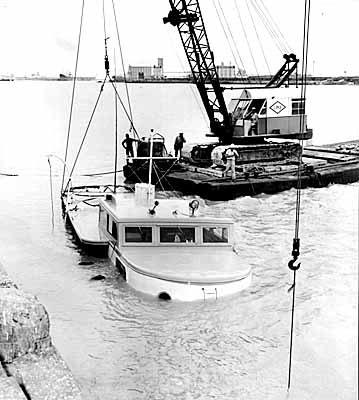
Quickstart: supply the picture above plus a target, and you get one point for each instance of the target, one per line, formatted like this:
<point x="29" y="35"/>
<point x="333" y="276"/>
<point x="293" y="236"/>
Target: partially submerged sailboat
<point x="168" y="249"/>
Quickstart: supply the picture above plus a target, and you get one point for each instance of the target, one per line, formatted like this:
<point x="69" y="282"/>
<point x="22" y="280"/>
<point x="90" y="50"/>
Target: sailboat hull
<point x="175" y="287"/>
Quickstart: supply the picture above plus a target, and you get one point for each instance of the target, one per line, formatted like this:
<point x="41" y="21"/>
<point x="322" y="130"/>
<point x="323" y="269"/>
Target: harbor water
<point x="121" y="344"/>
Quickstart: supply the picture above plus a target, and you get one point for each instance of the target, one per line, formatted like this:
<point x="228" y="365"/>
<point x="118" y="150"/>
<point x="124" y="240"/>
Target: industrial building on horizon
<point x="138" y="73"/>
<point x="155" y="72"/>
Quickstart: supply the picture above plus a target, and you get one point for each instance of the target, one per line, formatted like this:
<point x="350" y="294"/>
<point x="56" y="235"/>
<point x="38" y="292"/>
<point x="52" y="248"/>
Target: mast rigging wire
<point x="51" y="194"/>
<point x="123" y="69"/>
<point x="73" y="94"/>
<point x="296" y="240"/>
<point x="116" y="133"/>
<point x="86" y="131"/>
<point x="123" y="107"/>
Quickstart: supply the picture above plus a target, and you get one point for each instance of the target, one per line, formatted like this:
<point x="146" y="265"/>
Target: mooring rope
<point x="296" y="240"/>
<point x="73" y="93"/>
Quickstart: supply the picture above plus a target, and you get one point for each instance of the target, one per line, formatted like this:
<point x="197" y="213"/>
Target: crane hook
<point x="292" y="266"/>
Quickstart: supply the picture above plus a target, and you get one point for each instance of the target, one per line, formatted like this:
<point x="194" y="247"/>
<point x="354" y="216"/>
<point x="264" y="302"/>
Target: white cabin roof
<point x="124" y="208"/>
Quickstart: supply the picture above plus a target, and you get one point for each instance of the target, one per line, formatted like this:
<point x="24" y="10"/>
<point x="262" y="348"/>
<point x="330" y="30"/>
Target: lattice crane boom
<point x="187" y="17"/>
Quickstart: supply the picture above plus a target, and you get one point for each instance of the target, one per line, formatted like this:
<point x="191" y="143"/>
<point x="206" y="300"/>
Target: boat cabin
<point x="170" y="223"/>
<point x="280" y="112"/>
<point x="166" y="248"/>
<point x="143" y="146"/>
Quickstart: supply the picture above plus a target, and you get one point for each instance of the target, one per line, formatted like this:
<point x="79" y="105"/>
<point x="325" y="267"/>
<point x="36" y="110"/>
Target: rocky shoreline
<point x="30" y="366"/>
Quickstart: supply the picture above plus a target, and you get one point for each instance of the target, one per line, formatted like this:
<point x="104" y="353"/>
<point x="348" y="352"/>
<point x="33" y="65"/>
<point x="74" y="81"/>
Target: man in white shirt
<point x="230" y="155"/>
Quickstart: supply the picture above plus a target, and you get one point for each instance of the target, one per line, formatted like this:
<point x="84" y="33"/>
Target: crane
<point x="187" y="17"/>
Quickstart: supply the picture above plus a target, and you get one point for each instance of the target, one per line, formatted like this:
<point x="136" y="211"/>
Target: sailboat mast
<point x="116" y="133"/>
<point x="151" y="154"/>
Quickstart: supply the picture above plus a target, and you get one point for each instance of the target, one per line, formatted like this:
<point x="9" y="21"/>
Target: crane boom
<point x="283" y="74"/>
<point x="187" y="17"/>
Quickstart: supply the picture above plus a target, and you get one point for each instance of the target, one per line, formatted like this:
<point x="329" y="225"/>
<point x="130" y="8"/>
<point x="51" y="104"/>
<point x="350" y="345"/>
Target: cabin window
<point x="111" y="226"/>
<point x="177" y="234"/>
<point x="215" y="235"/>
<point x="138" y="234"/>
<point x="233" y="105"/>
<point x="114" y="230"/>
<point x="103" y="220"/>
<point x="263" y="110"/>
<point x="108" y="223"/>
<point x="298" y="106"/>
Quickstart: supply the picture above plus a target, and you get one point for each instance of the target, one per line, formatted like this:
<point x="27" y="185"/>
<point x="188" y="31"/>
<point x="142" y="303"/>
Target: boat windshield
<point x="138" y="234"/>
<point x="177" y="234"/>
<point x="215" y="235"/>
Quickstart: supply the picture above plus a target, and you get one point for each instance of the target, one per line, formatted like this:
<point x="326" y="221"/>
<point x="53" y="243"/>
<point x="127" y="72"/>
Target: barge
<point x="321" y="166"/>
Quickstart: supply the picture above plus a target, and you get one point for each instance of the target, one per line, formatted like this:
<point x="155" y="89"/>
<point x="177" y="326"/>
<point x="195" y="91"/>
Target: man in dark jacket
<point x="179" y="144"/>
<point x="127" y="144"/>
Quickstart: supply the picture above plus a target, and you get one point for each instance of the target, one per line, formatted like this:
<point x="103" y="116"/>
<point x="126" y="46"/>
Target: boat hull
<point x="177" y="289"/>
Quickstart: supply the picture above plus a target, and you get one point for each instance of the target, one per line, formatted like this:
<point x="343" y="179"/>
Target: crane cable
<point x="259" y="41"/>
<point x="73" y="93"/>
<point x="267" y="14"/>
<point x="228" y="41"/>
<point x="231" y="34"/>
<point x="246" y="37"/>
<point x="296" y="240"/>
<point x="274" y="33"/>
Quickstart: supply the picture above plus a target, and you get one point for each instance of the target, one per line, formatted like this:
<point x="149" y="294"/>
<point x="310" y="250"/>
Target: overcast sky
<point x="41" y="35"/>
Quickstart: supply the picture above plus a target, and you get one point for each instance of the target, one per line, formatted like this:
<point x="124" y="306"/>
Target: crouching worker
<point x="230" y="155"/>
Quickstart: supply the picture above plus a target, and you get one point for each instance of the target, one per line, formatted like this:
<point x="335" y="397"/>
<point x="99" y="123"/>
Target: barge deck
<point x="322" y="165"/>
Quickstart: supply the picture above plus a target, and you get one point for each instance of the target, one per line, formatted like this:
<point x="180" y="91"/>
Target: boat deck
<point x="84" y="221"/>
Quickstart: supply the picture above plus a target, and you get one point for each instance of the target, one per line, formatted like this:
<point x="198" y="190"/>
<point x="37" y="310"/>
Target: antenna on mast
<point x="107" y="63"/>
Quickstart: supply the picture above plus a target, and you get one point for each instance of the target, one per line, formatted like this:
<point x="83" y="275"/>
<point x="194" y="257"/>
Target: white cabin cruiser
<point x="167" y="249"/>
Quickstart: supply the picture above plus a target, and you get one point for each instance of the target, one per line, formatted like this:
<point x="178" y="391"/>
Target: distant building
<point x="139" y="72"/>
<point x="136" y="73"/>
<point x="226" y="71"/>
<point x="158" y="69"/>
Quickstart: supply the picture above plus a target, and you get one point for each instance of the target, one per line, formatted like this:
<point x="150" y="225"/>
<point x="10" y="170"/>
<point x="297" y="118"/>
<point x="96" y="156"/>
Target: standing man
<point x="179" y="144"/>
<point x="231" y="155"/>
<point x="254" y="122"/>
<point x="127" y="144"/>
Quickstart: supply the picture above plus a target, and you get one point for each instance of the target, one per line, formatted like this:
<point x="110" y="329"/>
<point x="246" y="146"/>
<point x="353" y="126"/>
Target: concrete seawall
<point x="30" y="366"/>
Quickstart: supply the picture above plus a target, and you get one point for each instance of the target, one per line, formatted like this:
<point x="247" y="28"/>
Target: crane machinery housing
<point x="278" y="116"/>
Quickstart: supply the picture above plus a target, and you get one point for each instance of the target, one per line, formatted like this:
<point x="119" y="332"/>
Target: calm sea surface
<point x="121" y="344"/>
